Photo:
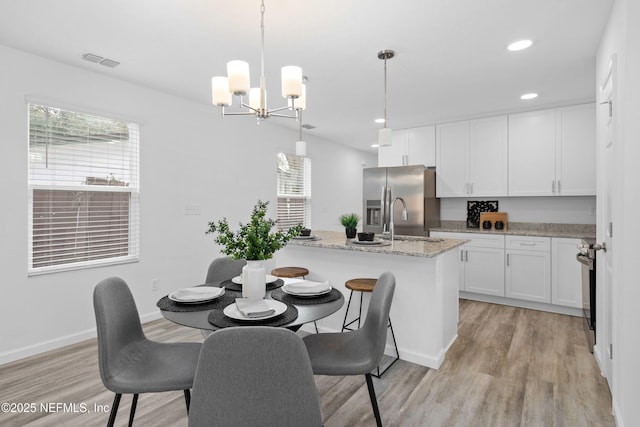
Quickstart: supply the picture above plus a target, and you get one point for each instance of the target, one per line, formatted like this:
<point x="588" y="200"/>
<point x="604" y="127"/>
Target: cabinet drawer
<point x="475" y="239"/>
<point x="528" y="243"/>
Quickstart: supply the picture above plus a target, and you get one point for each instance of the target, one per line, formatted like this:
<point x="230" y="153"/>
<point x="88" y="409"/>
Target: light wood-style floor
<point x="508" y="367"/>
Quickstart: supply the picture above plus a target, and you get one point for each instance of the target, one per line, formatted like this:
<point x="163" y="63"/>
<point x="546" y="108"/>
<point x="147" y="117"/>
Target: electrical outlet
<point x="155" y="285"/>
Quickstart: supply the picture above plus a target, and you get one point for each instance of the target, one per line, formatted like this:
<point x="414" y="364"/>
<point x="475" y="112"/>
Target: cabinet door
<point x="566" y="273"/>
<point x="532" y="144"/>
<point x="576" y="151"/>
<point x="421" y="146"/>
<point x="528" y="276"/>
<point x="394" y="155"/>
<point x="488" y="157"/>
<point x="451" y="159"/>
<point x="484" y="270"/>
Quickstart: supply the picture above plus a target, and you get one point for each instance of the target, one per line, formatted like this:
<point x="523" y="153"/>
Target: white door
<point x="604" y="229"/>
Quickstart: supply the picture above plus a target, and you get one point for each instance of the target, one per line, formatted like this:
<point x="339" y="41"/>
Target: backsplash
<point x="562" y="210"/>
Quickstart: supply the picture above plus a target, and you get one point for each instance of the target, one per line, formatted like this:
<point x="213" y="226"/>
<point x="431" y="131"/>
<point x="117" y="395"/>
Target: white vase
<point x="254" y="280"/>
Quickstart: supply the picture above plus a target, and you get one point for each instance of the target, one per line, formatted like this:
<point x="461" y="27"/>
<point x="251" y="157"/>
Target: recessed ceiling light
<point x="375" y="145"/>
<point x="529" y="96"/>
<point x="379" y="120"/>
<point x="519" y="45"/>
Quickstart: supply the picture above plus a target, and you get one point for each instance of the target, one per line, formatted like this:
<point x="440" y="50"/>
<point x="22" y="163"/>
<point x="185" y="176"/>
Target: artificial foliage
<point x="253" y="240"/>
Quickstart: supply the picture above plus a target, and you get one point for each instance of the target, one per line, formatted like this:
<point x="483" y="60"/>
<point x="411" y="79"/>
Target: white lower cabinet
<point x="528" y="268"/>
<point x="566" y="273"/>
<point x="481" y="262"/>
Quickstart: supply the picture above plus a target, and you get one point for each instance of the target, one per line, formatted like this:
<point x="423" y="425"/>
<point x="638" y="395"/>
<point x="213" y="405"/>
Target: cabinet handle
<point x="553" y="186"/>
<point x="461" y="255"/>
<point x="471" y="188"/>
<point x="527" y="243"/>
<point x="507" y="260"/>
<point x="466" y="256"/>
<point x="559" y="190"/>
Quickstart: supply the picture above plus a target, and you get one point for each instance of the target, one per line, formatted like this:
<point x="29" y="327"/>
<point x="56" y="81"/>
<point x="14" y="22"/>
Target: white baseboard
<point x="59" y="342"/>
<point x="570" y="311"/>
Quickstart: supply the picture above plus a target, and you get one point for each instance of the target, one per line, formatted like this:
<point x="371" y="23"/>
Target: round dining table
<point x="308" y="311"/>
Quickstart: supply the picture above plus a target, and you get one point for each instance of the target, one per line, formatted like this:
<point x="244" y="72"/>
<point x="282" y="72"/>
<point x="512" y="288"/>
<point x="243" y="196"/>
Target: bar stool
<point x="363" y="285"/>
<point x="292" y="273"/>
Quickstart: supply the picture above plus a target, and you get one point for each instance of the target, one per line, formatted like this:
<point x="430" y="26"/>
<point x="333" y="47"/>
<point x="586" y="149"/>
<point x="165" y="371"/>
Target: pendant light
<point x="384" y="134"/>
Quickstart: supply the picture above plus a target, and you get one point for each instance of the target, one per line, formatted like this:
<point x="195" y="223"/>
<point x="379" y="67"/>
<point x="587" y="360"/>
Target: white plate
<point x="312" y="237"/>
<point x="367" y="242"/>
<point x="232" y="310"/>
<point x="286" y="290"/>
<point x="196" y="294"/>
<point x="238" y="279"/>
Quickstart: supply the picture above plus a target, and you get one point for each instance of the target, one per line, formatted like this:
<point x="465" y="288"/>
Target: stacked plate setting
<point x="196" y="295"/>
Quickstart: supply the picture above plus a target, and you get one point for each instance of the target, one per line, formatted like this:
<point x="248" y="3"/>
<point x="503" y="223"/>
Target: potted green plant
<point x="350" y="222"/>
<point x="254" y="242"/>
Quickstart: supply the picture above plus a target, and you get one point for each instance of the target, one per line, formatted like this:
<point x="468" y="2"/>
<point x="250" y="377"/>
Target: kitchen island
<point x="425" y="304"/>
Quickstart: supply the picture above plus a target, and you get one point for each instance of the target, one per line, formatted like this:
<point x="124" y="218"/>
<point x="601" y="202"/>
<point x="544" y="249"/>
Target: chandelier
<point x="237" y="83"/>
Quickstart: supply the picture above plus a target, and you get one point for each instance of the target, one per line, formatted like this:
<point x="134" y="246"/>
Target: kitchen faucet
<point x="404" y="215"/>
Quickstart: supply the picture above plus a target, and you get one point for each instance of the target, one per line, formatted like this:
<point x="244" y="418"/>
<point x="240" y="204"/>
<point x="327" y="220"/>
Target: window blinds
<point x="294" y="191"/>
<point x="83" y="189"/>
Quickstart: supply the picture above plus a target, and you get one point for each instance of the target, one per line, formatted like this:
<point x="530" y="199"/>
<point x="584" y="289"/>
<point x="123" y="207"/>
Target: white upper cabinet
<point x="472" y="158"/>
<point x="452" y="143"/>
<point x="552" y="152"/>
<point x="576" y="151"/>
<point x="415" y="146"/>
<point x="488" y="147"/>
<point x="532" y="153"/>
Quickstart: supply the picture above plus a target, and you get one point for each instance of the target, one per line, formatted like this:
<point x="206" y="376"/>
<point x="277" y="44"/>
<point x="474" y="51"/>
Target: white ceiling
<point x="451" y="59"/>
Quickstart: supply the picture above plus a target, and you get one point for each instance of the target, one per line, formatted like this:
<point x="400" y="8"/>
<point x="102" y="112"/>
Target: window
<point x="83" y="190"/>
<point x="294" y="191"/>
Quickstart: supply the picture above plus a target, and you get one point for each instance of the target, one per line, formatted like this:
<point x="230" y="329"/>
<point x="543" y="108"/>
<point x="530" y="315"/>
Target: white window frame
<point x="301" y="193"/>
<point x="104" y="186"/>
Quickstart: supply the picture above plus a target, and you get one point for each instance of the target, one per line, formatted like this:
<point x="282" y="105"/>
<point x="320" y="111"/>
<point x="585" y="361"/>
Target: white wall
<point x="189" y="156"/>
<point x="560" y="210"/>
<point x="622" y="38"/>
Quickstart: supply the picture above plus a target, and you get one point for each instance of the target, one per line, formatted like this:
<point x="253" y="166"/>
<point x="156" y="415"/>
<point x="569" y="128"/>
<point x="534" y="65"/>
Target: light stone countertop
<point x="573" y="231"/>
<point x="403" y="245"/>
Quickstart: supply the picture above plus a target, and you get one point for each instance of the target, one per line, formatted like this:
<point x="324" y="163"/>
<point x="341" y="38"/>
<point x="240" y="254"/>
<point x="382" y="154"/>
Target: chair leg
<point x="132" y="414"/>
<point x="187" y="399"/>
<point x="114" y="410"/>
<point x="316" y="325"/>
<point x="346" y="313"/>
<point x="374" y="401"/>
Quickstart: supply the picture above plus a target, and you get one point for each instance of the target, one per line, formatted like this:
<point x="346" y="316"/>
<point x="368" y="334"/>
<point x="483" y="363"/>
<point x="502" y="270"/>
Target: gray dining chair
<point x="254" y="376"/>
<point x="128" y="361"/>
<point x="357" y="352"/>
<point x="224" y="268"/>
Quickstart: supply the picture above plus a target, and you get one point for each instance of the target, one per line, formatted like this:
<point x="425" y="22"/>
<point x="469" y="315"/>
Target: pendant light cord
<point x="263" y="103"/>
<point x="385" y="92"/>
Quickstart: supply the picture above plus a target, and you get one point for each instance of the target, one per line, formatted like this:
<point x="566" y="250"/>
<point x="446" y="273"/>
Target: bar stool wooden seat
<point x="363" y="285"/>
<point x="292" y="273"/>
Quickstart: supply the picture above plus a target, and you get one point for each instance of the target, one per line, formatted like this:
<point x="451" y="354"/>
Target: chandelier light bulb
<point x="238" y="74"/>
<point x="291" y="81"/>
<point x="220" y="94"/>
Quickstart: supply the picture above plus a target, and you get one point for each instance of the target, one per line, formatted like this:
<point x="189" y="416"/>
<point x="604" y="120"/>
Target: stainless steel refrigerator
<point x="416" y="185"/>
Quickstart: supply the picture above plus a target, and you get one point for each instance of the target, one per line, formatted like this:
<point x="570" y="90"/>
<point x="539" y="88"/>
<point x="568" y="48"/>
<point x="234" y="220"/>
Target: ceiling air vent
<point x="97" y="59"/>
<point x="109" y="63"/>
<point x="92" y="58"/>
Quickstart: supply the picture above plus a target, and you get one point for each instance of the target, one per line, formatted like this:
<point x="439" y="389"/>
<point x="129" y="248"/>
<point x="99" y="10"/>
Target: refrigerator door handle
<point x="387" y="209"/>
<point x="383" y="201"/>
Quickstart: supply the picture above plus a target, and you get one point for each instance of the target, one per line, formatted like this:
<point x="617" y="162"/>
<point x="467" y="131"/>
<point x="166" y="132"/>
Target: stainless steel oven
<point x="587" y="258"/>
